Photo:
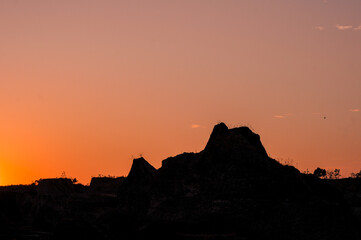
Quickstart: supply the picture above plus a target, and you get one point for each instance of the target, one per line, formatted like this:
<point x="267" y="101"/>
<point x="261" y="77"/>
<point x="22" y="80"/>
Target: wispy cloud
<point x="195" y="126"/>
<point x="354" y="110"/>
<point x="343" y="27"/>
<point x="281" y="116"/>
<point x="358" y="28"/>
<point x="320" y="28"/>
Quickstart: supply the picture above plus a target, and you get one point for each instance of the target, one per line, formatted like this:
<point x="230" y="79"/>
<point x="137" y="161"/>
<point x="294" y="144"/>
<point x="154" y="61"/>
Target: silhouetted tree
<point x="63" y="175"/>
<point x="356" y="175"/>
<point x="336" y="173"/>
<point x="333" y="174"/>
<point x="37" y="181"/>
<point x="319" y="172"/>
<point x="329" y="174"/>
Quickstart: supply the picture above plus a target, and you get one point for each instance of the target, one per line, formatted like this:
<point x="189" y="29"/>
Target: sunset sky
<point x="87" y="85"/>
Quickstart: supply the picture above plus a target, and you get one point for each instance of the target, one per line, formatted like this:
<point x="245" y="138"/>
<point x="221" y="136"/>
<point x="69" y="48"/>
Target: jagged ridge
<point x="232" y="185"/>
<point x="230" y="190"/>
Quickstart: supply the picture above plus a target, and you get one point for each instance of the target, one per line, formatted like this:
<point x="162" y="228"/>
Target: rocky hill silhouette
<point x="230" y="190"/>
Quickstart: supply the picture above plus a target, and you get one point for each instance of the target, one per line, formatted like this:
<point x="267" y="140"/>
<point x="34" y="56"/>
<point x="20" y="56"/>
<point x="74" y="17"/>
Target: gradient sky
<point x="85" y="86"/>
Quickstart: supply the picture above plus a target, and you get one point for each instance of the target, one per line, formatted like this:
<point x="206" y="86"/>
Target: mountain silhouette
<point x="233" y="186"/>
<point x="230" y="190"/>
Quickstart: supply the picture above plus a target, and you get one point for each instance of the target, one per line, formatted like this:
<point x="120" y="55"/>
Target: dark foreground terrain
<point x="230" y="190"/>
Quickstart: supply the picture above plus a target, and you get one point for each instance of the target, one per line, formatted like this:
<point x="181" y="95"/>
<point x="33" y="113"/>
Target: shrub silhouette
<point x="356" y="175"/>
<point x="319" y="172"/>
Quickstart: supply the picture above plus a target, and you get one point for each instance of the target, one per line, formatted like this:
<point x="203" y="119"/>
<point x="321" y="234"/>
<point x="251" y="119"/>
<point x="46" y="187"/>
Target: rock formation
<point x="231" y="190"/>
<point x="233" y="186"/>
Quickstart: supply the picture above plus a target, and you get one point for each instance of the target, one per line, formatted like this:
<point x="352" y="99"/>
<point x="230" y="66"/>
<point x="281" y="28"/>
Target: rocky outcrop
<point x="140" y="178"/>
<point x="136" y="192"/>
<point x="233" y="186"/>
<point x="232" y="190"/>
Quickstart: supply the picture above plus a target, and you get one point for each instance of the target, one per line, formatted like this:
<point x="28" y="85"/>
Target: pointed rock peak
<point x="140" y="160"/>
<point x="220" y="130"/>
<point x="141" y="167"/>
<point x="242" y="137"/>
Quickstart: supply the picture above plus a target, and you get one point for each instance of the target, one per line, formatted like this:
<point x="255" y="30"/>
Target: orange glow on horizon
<point x="87" y="85"/>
